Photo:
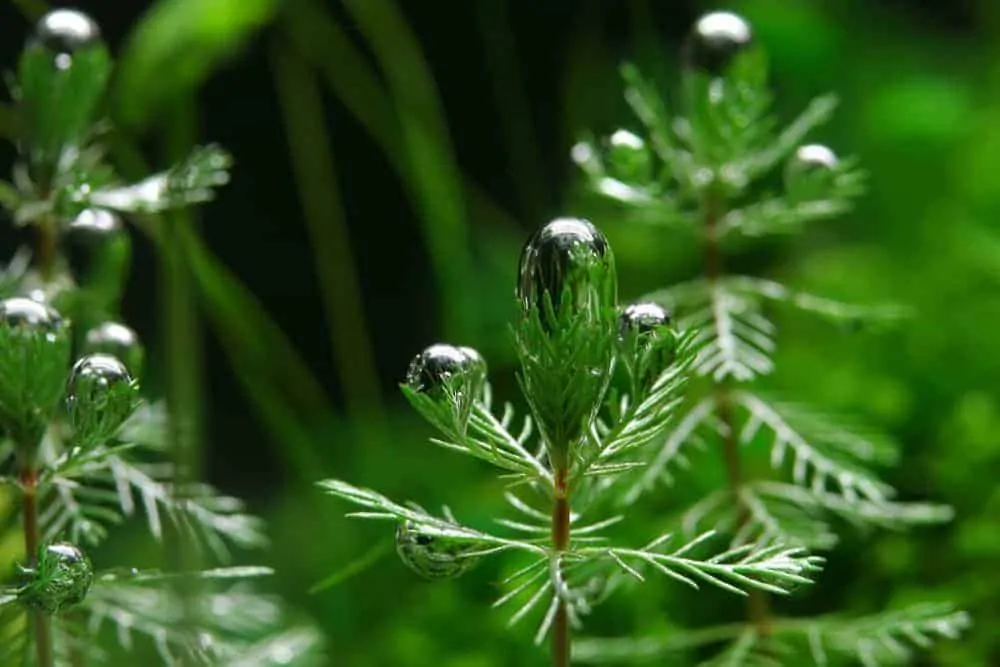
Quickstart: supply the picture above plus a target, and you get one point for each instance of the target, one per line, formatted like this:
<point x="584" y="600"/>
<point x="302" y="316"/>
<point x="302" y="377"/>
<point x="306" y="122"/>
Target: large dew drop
<point x="567" y="264"/>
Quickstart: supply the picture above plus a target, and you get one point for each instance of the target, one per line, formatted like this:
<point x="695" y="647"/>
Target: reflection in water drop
<point x="65" y="31"/>
<point x="716" y="39"/>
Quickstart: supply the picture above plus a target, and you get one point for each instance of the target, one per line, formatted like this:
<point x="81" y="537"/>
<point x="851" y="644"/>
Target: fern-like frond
<point x="823" y="454"/>
<point x="831" y="309"/>
<point x="775" y="569"/>
<point x="80" y="503"/>
<point x="883" y="639"/>
<point x="735" y="340"/>
<point x="379" y="507"/>
<point x="690" y="428"/>
<point x="226" y="618"/>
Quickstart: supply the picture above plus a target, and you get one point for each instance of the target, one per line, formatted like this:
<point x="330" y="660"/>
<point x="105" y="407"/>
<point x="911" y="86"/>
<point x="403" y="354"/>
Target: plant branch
<point x="560" y="542"/>
<point x="40" y="622"/>
<point x="757" y="604"/>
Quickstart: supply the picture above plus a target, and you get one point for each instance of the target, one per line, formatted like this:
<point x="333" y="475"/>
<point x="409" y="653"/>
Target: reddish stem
<point x="560" y="542"/>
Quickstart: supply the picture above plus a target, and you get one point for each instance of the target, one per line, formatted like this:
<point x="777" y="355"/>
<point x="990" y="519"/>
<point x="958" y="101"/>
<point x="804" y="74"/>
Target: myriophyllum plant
<point x="80" y="450"/>
<point x="708" y="171"/>
<point x="562" y="478"/>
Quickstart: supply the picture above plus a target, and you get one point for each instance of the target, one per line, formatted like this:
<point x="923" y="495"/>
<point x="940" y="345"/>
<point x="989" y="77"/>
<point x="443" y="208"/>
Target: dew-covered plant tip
<point x="623" y="398"/>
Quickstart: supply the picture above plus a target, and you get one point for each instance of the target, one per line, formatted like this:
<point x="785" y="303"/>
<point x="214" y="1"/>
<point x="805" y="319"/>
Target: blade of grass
<point x="317" y="180"/>
<point x="432" y="161"/>
<point x="347" y="73"/>
<point x="183" y="360"/>
<point x="515" y="114"/>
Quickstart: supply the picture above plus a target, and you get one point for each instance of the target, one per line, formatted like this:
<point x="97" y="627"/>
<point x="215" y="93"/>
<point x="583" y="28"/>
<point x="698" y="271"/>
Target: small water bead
<point x="119" y="341"/>
<point x="100" y="396"/>
<point x="567" y="257"/>
<point x="29" y="315"/>
<point x="433" y="556"/>
<point x="717" y="38"/>
<point x="61" y="580"/>
<point x="436" y="367"/>
<point x="66" y="31"/>
<point x="808" y="170"/>
<point x="629" y="158"/>
<point x="650" y="345"/>
<point x="643" y="318"/>
<point x="96" y="221"/>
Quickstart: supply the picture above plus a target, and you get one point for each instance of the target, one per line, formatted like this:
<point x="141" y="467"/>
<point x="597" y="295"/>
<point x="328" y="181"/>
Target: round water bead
<point x="61" y="580"/>
<point x="717" y="38"/>
<point x="807" y="171"/>
<point x="650" y="345"/>
<point x="437" y="366"/>
<point x="568" y="257"/>
<point x="29" y="316"/>
<point x="119" y="341"/>
<point x="96" y="221"/>
<point x="433" y="556"/>
<point x="629" y="157"/>
<point x="643" y="319"/>
<point x="476" y="360"/>
<point x="65" y="31"/>
<point x="100" y="396"/>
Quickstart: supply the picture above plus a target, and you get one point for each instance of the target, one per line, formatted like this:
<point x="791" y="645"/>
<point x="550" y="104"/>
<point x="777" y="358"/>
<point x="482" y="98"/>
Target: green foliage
<point x="714" y="160"/>
<point x="76" y="474"/>
<point x="568" y="348"/>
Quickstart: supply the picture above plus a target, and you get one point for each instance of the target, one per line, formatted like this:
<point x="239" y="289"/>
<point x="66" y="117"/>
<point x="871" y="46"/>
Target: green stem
<point x="40" y="621"/>
<point x="758" y="607"/>
<point x="560" y="542"/>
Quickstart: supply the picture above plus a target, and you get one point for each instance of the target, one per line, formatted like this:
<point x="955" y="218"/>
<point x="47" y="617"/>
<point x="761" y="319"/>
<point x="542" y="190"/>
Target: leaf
<point x="775" y="569"/>
<point x="228" y="621"/>
<point x="887" y="638"/>
<point x="385" y="509"/>
<point x="191" y="181"/>
<point x="822" y="452"/>
<point x="176" y="46"/>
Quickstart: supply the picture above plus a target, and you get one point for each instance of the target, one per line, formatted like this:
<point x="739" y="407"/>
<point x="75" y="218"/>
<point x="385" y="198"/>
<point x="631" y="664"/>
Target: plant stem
<point x="42" y="631"/>
<point x="46" y="247"/>
<point x="560" y="541"/>
<point x="757" y="603"/>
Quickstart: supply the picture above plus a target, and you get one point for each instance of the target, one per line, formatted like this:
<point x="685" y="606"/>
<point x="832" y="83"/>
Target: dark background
<point x="919" y="92"/>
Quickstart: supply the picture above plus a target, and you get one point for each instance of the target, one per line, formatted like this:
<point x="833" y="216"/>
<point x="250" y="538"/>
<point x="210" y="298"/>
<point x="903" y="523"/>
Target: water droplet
<point x="476" y="360"/>
<point x="567" y="258"/>
<point x="649" y="345"/>
<point x="30" y="316"/>
<point x="96" y="221"/>
<point x="432" y="556"/>
<point x="716" y="39"/>
<point x="629" y="158"/>
<point x="435" y="367"/>
<point x="61" y="580"/>
<point x="118" y="341"/>
<point x="100" y="396"/>
<point x="98" y="249"/>
<point x="808" y="171"/>
<point x="64" y="32"/>
<point x="642" y="318"/>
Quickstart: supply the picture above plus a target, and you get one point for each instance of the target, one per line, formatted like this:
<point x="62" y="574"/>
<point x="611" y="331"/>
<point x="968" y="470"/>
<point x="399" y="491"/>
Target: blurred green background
<point x="392" y="155"/>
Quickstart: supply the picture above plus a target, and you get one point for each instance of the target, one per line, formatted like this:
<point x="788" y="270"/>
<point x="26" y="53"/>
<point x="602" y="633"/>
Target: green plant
<point x="710" y="172"/>
<point x="81" y="452"/>
<point x="620" y="400"/>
